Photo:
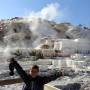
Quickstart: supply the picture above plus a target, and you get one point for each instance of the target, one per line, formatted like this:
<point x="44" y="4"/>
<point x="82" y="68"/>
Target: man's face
<point x="34" y="72"/>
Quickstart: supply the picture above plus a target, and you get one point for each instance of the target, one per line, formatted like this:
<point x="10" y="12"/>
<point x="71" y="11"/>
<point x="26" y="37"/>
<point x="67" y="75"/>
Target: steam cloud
<point x="50" y="12"/>
<point x="39" y="25"/>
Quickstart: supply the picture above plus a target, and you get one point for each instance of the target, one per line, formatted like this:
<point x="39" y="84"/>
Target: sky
<point x="74" y="11"/>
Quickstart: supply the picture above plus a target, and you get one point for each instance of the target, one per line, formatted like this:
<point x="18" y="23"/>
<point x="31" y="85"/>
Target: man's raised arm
<point x="14" y="64"/>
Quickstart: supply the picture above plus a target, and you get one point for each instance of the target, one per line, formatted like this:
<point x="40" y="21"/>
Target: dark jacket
<point x="33" y="83"/>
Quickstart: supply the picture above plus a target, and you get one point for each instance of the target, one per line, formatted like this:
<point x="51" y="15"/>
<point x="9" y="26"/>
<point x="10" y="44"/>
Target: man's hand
<point x="12" y="60"/>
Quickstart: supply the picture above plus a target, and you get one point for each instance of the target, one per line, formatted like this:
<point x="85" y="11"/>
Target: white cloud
<point x="50" y="12"/>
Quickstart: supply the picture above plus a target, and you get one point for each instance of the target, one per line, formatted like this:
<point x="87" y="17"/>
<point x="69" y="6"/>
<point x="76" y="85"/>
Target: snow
<point x="12" y="87"/>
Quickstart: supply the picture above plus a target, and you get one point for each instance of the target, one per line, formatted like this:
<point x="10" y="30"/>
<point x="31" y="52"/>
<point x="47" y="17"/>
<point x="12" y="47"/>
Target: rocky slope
<point x="23" y="28"/>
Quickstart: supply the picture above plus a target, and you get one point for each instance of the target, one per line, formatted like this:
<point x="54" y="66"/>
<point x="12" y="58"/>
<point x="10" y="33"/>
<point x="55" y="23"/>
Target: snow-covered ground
<point x="81" y="76"/>
<point x="12" y="87"/>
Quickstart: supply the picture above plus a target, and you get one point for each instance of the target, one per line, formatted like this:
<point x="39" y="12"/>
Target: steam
<point x="40" y="25"/>
<point x="49" y="12"/>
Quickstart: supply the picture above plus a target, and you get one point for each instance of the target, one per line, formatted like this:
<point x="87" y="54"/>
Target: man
<point x="33" y="81"/>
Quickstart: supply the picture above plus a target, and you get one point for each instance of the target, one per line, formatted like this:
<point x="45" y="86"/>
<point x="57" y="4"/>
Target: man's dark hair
<point x="35" y="67"/>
